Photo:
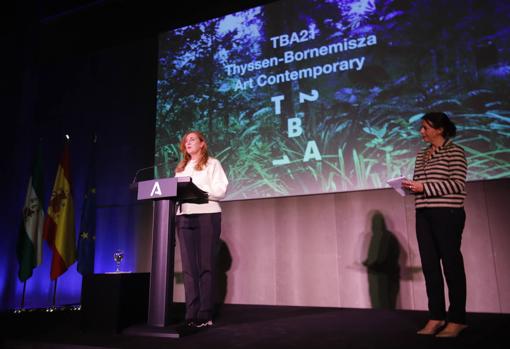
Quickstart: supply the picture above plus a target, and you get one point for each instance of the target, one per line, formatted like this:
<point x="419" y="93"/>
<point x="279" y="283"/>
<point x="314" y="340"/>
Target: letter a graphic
<point x="156" y="190"/>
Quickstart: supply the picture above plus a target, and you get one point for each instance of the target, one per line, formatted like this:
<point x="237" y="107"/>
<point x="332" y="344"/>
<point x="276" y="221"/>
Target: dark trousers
<point x="199" y="236"/>
<point x="439" y="233"/>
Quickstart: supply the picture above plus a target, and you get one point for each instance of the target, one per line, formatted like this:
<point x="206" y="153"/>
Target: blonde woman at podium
<point x="199" y="228"/>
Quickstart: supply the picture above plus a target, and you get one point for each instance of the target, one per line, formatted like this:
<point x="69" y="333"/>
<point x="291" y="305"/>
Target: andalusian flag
<point x="59" y="230"/>
<point x="29" y="246"/>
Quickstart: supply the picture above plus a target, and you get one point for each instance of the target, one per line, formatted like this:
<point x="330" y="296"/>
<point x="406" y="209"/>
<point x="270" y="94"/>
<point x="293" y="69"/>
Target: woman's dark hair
<point x="440" y="120"/>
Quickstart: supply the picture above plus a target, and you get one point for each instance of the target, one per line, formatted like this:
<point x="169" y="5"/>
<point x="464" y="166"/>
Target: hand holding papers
<point x="396" y="183"/>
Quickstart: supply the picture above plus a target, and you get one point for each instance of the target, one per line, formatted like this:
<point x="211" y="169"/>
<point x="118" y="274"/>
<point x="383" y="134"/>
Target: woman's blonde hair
<point x="204" y="153"/>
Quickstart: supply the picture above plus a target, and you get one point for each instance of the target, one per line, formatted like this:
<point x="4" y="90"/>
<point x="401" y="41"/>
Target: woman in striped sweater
<point x="439" y="187"/>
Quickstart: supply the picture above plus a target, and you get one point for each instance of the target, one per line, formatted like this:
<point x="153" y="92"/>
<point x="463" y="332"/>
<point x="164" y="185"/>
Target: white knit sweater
<point x="211" y="179"/>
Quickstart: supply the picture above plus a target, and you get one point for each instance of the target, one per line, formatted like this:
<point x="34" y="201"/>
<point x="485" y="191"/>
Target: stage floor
<point x="263" y="327"/>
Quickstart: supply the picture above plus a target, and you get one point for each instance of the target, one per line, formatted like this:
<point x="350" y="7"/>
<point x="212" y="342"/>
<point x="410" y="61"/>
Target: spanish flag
<point x="59" y="229"/>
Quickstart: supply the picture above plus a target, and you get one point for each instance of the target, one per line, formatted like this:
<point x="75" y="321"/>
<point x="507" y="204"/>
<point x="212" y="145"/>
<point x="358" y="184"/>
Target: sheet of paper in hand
<point x="396" y="183"/>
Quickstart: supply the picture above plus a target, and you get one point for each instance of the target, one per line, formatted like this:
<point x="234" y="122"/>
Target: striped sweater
<point x="443" y="177"/>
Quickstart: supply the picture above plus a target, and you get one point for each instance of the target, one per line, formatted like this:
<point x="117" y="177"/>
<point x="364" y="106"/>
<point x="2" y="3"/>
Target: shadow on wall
<point x="382" y="264"/>
<point x="224" y="262"/>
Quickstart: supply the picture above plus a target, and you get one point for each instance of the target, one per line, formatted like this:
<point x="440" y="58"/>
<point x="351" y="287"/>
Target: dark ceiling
<point x="58" y="27"/>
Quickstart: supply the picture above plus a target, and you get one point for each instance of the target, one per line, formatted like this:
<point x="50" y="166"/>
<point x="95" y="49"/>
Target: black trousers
<point x="439" y="233"/>
<point x="199" y="236"/>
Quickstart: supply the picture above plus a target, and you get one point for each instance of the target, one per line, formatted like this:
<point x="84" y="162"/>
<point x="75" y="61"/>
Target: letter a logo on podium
<point x="156" y="190"/>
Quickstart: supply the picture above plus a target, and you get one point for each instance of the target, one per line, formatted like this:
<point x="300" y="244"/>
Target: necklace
<point x="429" y="153"/>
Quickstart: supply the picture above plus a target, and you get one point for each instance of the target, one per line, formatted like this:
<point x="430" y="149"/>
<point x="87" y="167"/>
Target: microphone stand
<point x="134" y="183"/>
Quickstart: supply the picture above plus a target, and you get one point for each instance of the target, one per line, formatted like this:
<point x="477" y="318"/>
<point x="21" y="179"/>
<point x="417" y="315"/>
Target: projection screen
<point x="304" y="97"/>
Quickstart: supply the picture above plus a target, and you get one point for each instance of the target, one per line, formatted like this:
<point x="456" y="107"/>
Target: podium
<point x="164" y="193"/>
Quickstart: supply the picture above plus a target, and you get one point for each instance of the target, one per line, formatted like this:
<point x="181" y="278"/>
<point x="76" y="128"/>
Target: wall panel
<point x="310" y="250"/>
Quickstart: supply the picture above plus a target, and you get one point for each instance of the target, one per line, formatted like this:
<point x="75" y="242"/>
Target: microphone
<point x="134" y="184"/>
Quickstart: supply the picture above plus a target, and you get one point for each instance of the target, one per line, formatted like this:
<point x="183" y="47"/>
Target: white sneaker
<point x="204" y="324"/>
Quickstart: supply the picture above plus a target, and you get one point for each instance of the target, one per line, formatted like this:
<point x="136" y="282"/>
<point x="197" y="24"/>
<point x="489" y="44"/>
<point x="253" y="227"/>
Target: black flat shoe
<point x="188" y="327"/>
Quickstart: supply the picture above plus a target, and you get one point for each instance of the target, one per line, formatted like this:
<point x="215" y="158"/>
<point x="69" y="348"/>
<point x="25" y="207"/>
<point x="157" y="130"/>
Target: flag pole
<point x="23" y="295"/>
<point x="54" y="293"/>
